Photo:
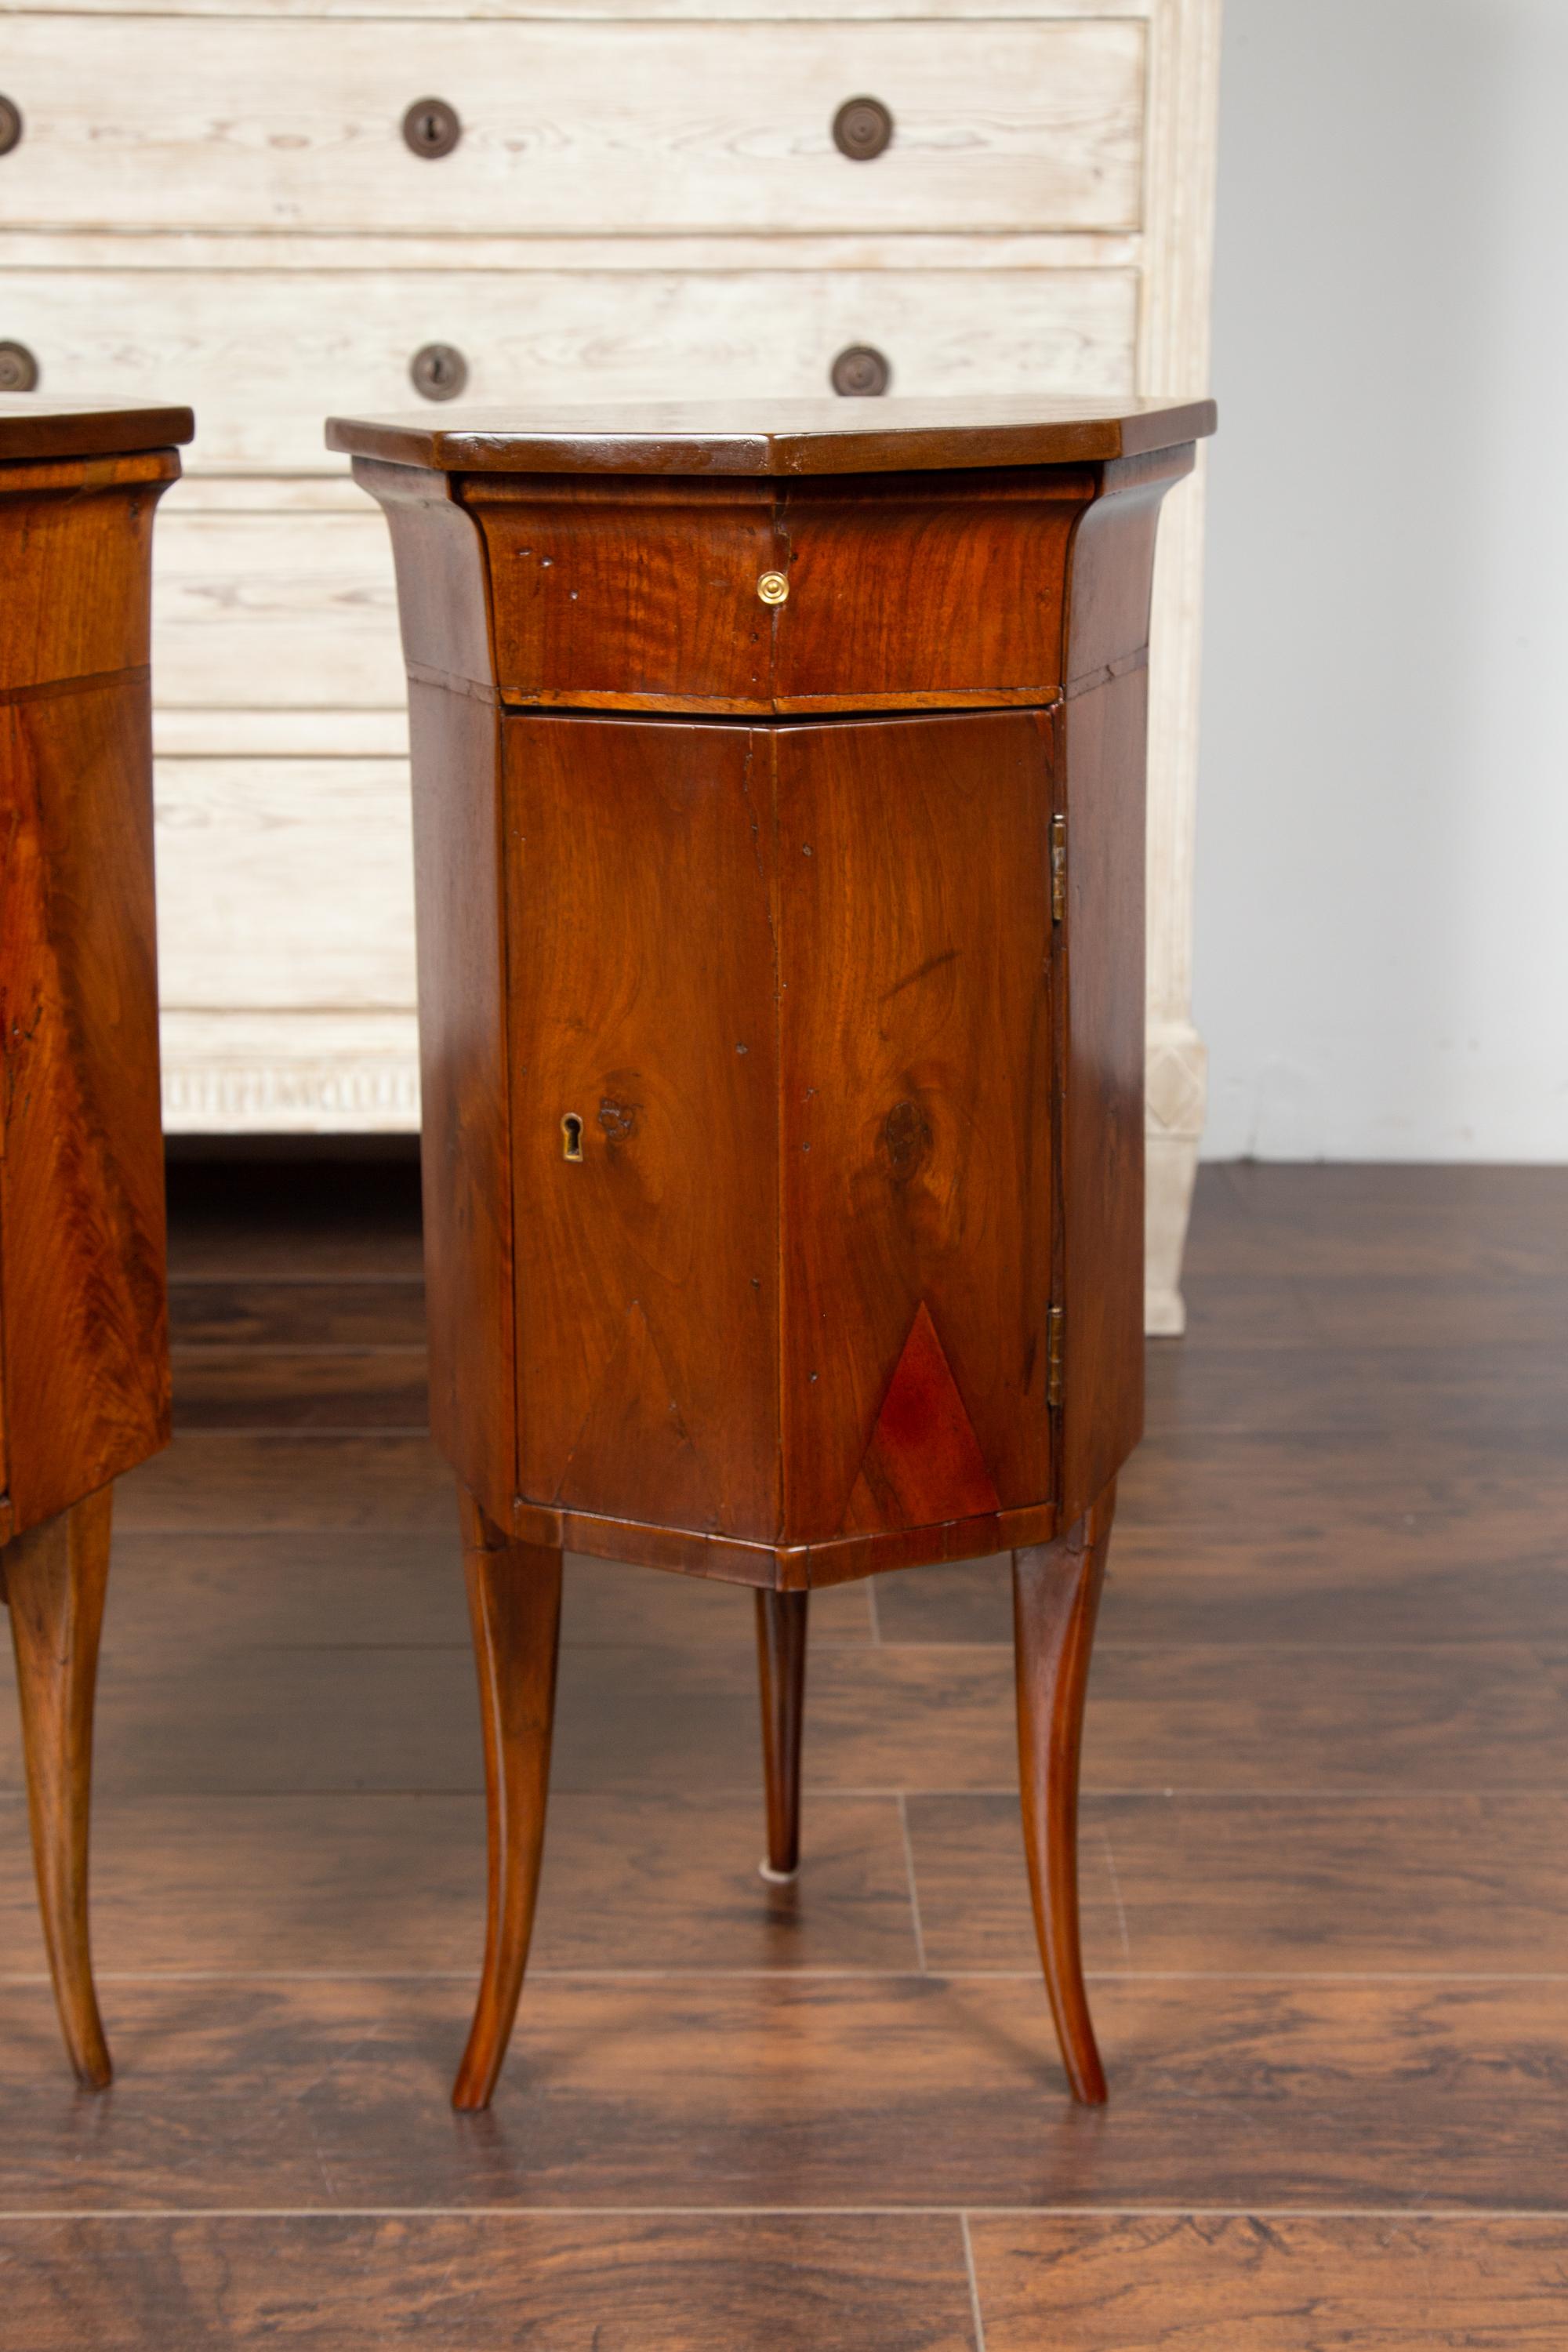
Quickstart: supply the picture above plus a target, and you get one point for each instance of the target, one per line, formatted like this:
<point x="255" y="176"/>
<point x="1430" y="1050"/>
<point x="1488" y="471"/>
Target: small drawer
<point x="762" y="595"/>
<point x="263" y="356"/>
<point x="299" y="123"/>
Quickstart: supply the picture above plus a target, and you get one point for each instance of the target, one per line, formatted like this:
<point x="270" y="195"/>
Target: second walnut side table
<point x="778" y="786"/>
<point x="84" y="1348"/>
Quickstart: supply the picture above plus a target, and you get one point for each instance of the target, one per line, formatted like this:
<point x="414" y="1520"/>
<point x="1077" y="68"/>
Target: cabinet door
<point x="81" y="1167"/>
<point x="915" y="964"/>
<point x="81" y="1163"/>
<point x="641" y="1015"/>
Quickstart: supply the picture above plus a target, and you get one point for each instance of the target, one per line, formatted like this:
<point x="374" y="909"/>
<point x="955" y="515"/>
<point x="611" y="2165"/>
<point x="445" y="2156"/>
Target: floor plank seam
<point x="792" y="1973"/>
<point x="977" y="2319"/>
<point x="1116" y="1892"/>
<point x="1441" y="2216"/>
<point x="1545" y="1654"/>
<point x="821" y="1792"/>
<point x="914" y="1891"/>
<point x="1371" y="1790"/>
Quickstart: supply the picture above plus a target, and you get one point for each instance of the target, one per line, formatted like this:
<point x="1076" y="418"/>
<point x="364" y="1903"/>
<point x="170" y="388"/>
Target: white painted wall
<point x="1383" y="847"/>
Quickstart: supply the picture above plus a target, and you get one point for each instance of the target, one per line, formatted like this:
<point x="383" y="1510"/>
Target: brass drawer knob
<point x="438" y="371"/>
<point x="773" y="588"/>
<point x="10" y="125"/>
<point x="18" y="368"/>
<point x="860" y="373"/>
<point x="432" y="128"/>
<point x="861" y="129"/>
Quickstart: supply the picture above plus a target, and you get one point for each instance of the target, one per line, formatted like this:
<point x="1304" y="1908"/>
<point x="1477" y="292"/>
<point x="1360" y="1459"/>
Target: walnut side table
<point x="84" y="1360"/>
<point x="778" y="786"/>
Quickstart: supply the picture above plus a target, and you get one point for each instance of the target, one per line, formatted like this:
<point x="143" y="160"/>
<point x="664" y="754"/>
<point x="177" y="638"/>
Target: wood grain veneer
<point x="779" y="780"/>
<point x="84" y="1360"/>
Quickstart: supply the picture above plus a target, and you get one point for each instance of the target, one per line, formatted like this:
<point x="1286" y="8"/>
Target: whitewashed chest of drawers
<point x="218" y="202"/>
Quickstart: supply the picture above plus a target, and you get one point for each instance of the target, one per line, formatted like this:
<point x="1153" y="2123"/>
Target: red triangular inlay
<point x="923" y="1463"/>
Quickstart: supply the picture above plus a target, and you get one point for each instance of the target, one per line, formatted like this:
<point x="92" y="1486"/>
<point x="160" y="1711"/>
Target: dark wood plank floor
<point x="1326" y="1862"/>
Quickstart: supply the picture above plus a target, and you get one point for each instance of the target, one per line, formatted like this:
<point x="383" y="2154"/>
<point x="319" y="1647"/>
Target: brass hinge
<point x="1058" y="868"/>
<point x="1055" y="1382"/>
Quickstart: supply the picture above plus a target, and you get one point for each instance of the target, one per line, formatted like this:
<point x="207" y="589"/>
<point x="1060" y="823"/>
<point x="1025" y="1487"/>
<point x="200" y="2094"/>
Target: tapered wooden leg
<point x="55" y="1578"/>
<point x="514" y="1605"/>
<point x="1056" y="1597"/>
<point x="781" y="1664"/>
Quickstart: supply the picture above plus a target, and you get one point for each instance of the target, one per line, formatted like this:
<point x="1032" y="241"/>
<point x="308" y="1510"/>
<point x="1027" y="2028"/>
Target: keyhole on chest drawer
<point x="438" y="371"/>
<point x="572" y="1137"/>
<point x="431" y="128"/>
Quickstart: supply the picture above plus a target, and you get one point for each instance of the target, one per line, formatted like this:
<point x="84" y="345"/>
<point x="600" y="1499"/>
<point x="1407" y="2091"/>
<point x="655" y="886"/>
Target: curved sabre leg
<point x="1056" y="1597"/>
<point x="55" y="1578"/>
<point x="514" y="1605"/>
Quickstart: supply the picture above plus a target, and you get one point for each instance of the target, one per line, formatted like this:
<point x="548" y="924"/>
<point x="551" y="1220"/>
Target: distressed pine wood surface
<point x="588" y="127"/>
<point x="294" y="827"/>
<point x="224" y="1070"/>
<point x="241" y="601"/>
<point x="1323" y="1845"/>
<point x="510" y="247"/>
<point x="500" y="11"/>
<point x="313" y="326"/>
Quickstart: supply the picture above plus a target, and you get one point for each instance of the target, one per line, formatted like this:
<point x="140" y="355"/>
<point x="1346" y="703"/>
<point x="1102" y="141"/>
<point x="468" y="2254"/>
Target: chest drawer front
<point x="286" y="611"/>
<point x="263" y="356"/>
<point x="1023" y="124"/>
<point x="284" y="885"/>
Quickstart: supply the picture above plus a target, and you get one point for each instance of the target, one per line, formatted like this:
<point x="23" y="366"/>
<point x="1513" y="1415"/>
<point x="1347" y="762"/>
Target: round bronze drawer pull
<point x="861" y="129"/>
<point x="439" y="370"/>
<point x="18" y="368"/>
<point x="860" y="373"/>
<point x="432" y="128"/>
<point x="773" y="588"/>
<point x="10" y="125"/>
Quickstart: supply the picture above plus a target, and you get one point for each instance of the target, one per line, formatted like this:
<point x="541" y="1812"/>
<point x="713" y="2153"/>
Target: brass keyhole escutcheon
<point x="571" y="1136"/>
<point x="773" y="588"/>
<point x="438" y="372"/>
<point x="862" y="128"/>
<point x="431" y="128"/>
